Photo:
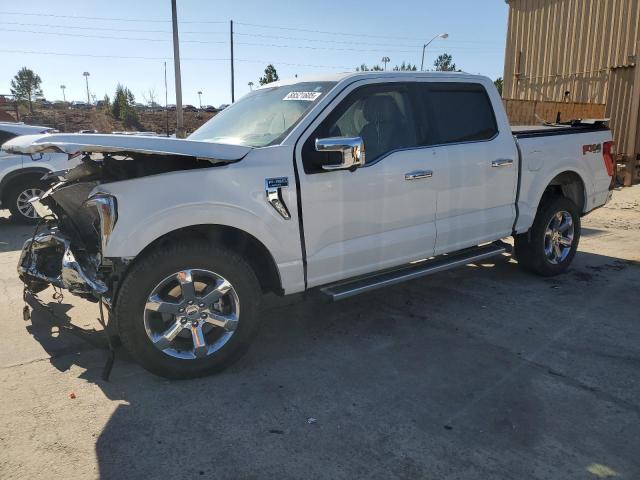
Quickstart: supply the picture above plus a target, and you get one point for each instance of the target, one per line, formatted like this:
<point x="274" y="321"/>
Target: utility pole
<point x="166" y="98"/>
<point x="176" y="67"/>
<point x="200" y="98"/>
<point x="64" y="98"/>
<point x="233" y="97"/>
<point x="86" y="77"/>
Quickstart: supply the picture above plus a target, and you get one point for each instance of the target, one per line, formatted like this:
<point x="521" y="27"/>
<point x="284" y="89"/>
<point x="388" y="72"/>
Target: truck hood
<point x="73" y="143"/>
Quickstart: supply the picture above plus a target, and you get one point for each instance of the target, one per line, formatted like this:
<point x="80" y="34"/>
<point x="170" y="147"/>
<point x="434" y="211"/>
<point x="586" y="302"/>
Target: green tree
<point x="270" y="75"/>
<point x="498" y="83"/>
<point x="106" y="103"/>
<point x="444" y="63"/>
<point x="405" y="67"/>
<point x="123" y="106"/>
<point x="26" y="86"/>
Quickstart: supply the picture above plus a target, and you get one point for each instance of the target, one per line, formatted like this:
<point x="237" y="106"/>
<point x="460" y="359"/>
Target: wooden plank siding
<point x="578" y="53"/>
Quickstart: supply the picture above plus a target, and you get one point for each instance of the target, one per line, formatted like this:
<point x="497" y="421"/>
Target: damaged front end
<point x="65" y="250"/>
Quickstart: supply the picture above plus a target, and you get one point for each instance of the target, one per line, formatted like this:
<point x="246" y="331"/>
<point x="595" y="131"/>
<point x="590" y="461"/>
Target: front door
<point x="379" y="215"/>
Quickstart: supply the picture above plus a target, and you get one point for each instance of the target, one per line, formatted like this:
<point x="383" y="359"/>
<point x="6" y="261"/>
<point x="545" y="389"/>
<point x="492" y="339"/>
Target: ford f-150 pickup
<point x="339" y="184"/>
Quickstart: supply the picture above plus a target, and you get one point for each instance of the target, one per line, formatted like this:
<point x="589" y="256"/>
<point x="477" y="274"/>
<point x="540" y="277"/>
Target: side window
<point x="455" y="112"/>
<point x="380" y="114"/>
<point x="6" y="136"/>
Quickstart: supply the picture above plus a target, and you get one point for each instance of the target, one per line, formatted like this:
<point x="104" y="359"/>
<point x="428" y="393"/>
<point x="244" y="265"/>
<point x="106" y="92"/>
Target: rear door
<point x="477" y="172"/>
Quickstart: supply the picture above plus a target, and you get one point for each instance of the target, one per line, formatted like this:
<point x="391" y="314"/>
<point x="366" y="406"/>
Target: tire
<point x="535" y="250"/>
<point x="16" y="196"/>
<point x="150" y="336"/>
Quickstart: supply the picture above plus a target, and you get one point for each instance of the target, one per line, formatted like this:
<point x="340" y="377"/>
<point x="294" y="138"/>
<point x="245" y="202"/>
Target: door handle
<point x="502" y="162"/>
<point x="418" y="174"/>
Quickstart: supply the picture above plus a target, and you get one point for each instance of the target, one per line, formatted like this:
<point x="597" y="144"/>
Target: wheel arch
<point x="233" y="238"/>
<point x="569" y="184"/>
<point x="19" y="174"/>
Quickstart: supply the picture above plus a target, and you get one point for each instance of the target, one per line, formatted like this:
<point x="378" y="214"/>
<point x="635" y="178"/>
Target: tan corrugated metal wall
<point x="588" y="48"/>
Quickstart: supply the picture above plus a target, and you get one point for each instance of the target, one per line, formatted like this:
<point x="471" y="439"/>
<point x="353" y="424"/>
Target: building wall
<point x="588" y="48"/>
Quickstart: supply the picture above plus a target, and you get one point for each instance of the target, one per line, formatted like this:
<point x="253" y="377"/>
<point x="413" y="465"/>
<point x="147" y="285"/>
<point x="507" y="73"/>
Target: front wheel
<point x="188" y="310"/>
<point x="549" y="247"/>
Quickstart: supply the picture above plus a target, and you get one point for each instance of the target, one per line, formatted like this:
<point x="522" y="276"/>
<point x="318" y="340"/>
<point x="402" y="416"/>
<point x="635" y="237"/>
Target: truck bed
<point x="531" y="131"/>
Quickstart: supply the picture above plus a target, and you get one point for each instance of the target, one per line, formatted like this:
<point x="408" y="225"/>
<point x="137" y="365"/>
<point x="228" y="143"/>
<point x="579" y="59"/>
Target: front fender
<point x="233" y="196"/>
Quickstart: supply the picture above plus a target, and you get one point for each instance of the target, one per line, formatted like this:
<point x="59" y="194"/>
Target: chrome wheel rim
<point x="23" y="202"/>
<point x="558" y="237"/>
<point x="191" y="314"/>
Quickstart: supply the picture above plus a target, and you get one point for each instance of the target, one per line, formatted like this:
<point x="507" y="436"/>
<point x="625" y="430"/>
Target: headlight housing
<point x="107" y="208"/>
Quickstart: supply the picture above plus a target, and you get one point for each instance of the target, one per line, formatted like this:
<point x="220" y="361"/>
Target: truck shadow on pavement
<point x="484" y="369"/>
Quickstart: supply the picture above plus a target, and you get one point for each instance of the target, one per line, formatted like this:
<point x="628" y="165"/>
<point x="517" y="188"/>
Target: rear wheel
<point x="18" y="199"/>
<point x="549" y="247"/>
<point x="188" y="310"/>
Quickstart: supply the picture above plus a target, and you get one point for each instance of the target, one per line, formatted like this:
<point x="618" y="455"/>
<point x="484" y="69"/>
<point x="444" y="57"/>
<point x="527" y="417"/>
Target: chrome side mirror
<point x="351" y="149"/>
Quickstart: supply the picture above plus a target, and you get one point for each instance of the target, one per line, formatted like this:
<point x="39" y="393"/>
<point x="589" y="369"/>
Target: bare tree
<point x="150" y="97"/>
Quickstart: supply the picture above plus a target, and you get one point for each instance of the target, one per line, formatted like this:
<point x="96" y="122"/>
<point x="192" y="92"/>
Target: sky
<point x="128" y="41"/>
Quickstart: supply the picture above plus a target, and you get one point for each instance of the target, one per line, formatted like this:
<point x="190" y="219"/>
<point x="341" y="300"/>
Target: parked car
<point x="209" y="108"/>
<point x="20" y="174"/>
<point x="340" y="185"/>
<point x="189" y="108"/>
<point x="171" y="107"/>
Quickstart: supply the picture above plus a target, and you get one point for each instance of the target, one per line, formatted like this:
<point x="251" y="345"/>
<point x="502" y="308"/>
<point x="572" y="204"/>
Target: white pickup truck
<point x="340" y="184"/>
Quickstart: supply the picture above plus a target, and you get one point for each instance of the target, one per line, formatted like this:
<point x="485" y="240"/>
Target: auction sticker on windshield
<point x="308" y="96"/>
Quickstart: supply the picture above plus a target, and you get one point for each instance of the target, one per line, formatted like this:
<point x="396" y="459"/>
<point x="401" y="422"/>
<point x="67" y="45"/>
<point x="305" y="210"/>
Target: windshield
<point x="263" y="117"/>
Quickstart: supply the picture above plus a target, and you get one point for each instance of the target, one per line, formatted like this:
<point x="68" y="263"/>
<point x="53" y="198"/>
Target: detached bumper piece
<point x="48" y="258"/>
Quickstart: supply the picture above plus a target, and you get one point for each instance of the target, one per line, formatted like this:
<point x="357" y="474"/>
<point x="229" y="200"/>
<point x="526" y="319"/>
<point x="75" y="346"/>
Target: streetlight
<point x="200" y="98"/>
<point x="86" y="78"/>
<point x="385" y="60"/>
<point x="424" y="47"/>
<point x="64" y="98"/>
<point x="250" y="86"/>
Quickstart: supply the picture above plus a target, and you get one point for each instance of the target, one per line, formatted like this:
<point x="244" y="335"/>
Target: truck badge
<point x="273" y="189"/>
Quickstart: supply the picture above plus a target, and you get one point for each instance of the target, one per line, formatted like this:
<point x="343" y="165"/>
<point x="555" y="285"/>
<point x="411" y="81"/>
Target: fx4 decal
<point x="591" y="148"/>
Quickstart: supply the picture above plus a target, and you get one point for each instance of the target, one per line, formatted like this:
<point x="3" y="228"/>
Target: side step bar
<point x="350" y="288"/>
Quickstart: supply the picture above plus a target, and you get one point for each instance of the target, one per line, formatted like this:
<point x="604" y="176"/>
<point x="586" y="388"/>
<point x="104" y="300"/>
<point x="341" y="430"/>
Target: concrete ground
<point x="482" y="373"/>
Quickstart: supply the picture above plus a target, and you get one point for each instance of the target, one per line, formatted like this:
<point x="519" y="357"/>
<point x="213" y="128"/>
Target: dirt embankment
<point x="75" y="120"/>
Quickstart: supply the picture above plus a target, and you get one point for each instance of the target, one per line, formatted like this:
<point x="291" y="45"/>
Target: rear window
<point x="455" y="113"/>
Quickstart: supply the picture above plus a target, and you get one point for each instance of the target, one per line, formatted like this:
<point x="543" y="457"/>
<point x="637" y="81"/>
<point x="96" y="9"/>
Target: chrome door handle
<point x="502" y="162"/>
<point x="418" y="174"/>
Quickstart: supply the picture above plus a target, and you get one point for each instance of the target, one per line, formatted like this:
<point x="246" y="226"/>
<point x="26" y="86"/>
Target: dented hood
<point x="72" y="143"/>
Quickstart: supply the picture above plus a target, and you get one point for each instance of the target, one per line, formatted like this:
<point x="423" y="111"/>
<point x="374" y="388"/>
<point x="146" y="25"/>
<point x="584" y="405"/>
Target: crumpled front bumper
<point x="49" y="258"/>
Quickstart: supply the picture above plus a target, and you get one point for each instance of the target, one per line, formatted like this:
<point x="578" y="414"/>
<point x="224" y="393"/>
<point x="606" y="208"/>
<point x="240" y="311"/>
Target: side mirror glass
<point x="351" y="150"/>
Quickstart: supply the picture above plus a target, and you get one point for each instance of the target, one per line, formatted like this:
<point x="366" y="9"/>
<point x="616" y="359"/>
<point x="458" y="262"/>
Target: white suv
<point x="20" y="175"/>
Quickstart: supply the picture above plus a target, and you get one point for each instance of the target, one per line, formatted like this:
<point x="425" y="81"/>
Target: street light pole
<point x="86" y="78"/>
<point x="200" y="98"/>
<point x="64" y="98"/>
<point x="385" y="60"/>
<point x="424" y="47"/>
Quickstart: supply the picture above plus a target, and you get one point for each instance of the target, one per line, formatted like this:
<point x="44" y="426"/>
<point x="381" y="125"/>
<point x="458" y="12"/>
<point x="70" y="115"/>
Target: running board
<point x="350" y="288"/>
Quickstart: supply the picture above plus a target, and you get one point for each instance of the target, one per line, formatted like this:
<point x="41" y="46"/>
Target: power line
<point x="137" y="30"/>
<point x="207" y="59"/>
<point x="115" y="19"/>
<point x="219" y="42"/>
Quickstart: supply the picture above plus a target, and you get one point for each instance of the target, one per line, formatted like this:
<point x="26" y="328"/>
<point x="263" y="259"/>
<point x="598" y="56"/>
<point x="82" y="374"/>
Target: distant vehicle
<point x="46" y="104"/>
<point x="20" y="174"/>
<point x="171" y="107"/>
<point x="76" y="104"/>
<point x="189" y="108"/>
<point x="209" y="108"/>
<point x="223" y="106"/>
<point x="88" y="131"/>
